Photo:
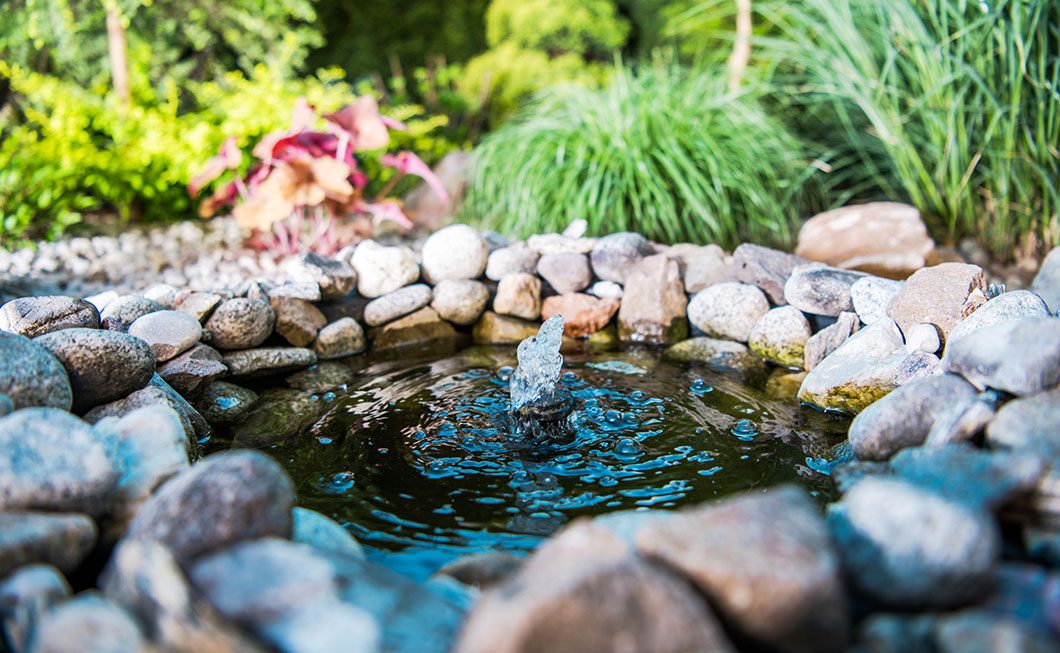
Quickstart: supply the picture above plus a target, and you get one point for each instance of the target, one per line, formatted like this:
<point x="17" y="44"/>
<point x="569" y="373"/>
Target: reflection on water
<point x="416" y="458"/>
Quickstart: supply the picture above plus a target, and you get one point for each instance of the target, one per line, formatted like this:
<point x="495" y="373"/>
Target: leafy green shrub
<point x="953" y="105"/>
<point x="65" y="150"/>
<point x="537" y="43"/>
<point x="666" y="152"/>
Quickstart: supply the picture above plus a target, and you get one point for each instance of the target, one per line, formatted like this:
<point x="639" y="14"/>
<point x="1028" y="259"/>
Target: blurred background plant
<point x="952" y="105"/>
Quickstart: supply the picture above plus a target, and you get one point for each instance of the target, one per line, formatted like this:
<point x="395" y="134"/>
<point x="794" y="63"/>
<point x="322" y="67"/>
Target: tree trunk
<point x="741" y="48"/>
<point x="119" y="64"/>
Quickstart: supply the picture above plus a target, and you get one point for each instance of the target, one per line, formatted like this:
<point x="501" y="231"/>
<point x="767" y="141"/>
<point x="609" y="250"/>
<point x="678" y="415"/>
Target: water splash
<point x="540" y="364"/>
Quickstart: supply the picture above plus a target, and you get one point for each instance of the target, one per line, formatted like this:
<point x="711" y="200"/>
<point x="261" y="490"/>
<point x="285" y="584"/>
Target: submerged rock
<point x="225" y="403"/>
<point x="420" y="328"/>
<point x="127" y="309"/>
<point x="268" y="360"/>
<point x="722" y="354"/>
<point x="494" y="329"/>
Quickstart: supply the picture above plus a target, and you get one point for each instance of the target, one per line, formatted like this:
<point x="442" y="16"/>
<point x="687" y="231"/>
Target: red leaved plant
<point x="305" y="191"/>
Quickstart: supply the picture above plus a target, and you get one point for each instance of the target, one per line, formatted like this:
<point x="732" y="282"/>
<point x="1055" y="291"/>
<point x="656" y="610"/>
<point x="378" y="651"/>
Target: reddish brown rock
<point x="936" y="295"/>
<point x="883" y="238"/>
<point x="585" y="591"/>
<point x="583" y="315"/>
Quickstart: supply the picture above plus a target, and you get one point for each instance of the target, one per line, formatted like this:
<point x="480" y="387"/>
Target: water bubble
<point x="607" y="481"/>
<point x="627" y="447"/>
<point x="637" y="395"/>
<point x="570" y="378"/>
<point x="629" y="418"/>
<point x="504" y="374"/>
<point x="341" y="480"/>
<point x="522" y="476"/>
<point x="323" y="439"/>
<point x="745" y="429"/>
<point x="329" y="396"/>
<point x="436" y="467"/>
<point x="612" y="417"/>
<point x="469" y="441"/>
<point x="384" y="450"/>
<point x="419" y="435"/>
<point x="699" y="386"/>
<point x="314" y="398"/>
<point x="342" y="387"/>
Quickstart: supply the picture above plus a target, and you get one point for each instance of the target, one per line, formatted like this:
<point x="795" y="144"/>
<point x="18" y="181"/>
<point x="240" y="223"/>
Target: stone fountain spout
<point x="540" y="406"/>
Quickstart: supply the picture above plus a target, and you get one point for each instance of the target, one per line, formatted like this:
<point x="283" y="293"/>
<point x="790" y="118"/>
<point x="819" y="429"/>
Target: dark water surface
<point x="414" y="457"/>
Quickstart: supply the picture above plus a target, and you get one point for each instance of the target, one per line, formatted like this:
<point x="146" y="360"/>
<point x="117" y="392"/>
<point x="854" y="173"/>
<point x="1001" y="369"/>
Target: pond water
<point x="415" y="457"/>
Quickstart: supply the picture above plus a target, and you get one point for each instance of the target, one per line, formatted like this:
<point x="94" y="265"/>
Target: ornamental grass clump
<point x="953" y="105"/>
<point x="668" y="152"/>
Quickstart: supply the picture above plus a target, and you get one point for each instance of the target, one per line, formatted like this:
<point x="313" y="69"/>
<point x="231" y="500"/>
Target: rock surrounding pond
<point x="712" y="495"/>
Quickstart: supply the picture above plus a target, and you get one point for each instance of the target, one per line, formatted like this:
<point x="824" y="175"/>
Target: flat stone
<point x="780" y="336"/>
<point x="884" y="238"/>
<point x="820" y="290"/>
<point x="1047" y="282"/>
<point x="614" y="256"/>
<point x="297" y="320"/>
<point x="701" y="267"/>
<point x="144" y="579"/>
<point x="796" y="601"/>
<point x="128" y="308"/>
<point x="31" y="376"/>
<point x="542" y="244"/>
<point x="53" y="461"/>
<point x="325" y="376"/>
<point x="460" y="301"/>
<point x="314" y="529"/>
<point x="343" y="337"/>
<point x="519" y="295"/>
<point x="585" y="591"/>
<point x="335" y="278"/>
<point x="87" y="618"/>
<point x="382" y="270"/>
<point x="454" y="252"/>
<point x="909" y="548"/>
<point x="163" y="293"/>
<point x="766" y="268"/>
<point x="307" y="290"/>
<point x="35" y="316"/>
<point x="156" y="393"/>
<point x="904" y="417"/>
<point x="420" y="328"/>
<point x="60" y="539"/>
<point x="200" y="305"/>
<point x="221" y="500"/>
<point x="193" y="370"/>
<point x="494" y="329"/>
<point x="27" y="595"/>
<point x="1018" y="356"/>
<point x="583" y="315"/>
<point x="510" y="260"/>
<point x="268" y="360"/>
<point x="653" y="309"/>
<point x="872" y="295"/>
<point x="1015" y="305"/>
<point x="399" y="303"/>
<point x="728" y="310"/>
<point x="151" y="447"/>
<point x="225" y="403"/>
<point x="857" y="373"/>
<point x="1028" y="425"/>
<point x="566" y="273"/>
<point x="936" y="295"/>
<point x="102" y="365"/>
<point x="975" y="478"/>
<point x="169" y="333"/>
<point x="239" y="323"/>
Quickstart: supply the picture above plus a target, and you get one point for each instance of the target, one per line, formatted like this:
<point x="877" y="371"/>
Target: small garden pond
<point x="415" y="457"/>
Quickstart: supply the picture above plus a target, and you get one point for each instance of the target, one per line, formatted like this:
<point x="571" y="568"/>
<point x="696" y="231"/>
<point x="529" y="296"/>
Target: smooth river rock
<point x="168" y="332"/>
<point x="54" y="461"/>
<point x="239" y="323"/>
<point x="460" y="301"/>
<point x="904" y="417"/>
<point x="343" y="337"/>
<point x="223" y="499"/>
<point x="909" y="548"/>
<point x="614" y="256"/>
<point x="336" y="278"/>
<point x="1007" y="306"/>
<point x="454" y="252"/>
<point x="510" y="260"/>
<point x="396" y="304"/>
<point x="88" y="618"/>
<point x="268" y="360"/>
<point x="31" y="376"/>
<point x="519" y="295"/>
<point x="766" y="268"/>
<point x="382" y="270"/>
<point x="780" y="336"/>
<point x="127" y="309"/>
<point x="728" y="310"/>
<point x="156" y="393"/>
<point x="872" y="295"/>
<point x="55" y="538"/>
<point x="565" y="272"/>
<point x="102" y="365"/>
<point x="297" y="320"/>
<point x="765" y="561"/>
<point x="193" y="370"/>
<point x="1028" y="425"/>
<point x="721" y="354"/>
<point x="858" y="373"/>
<point x="1018" y="356"/>
<point x="35" y="316"/>
<point x="820" y="290"/>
